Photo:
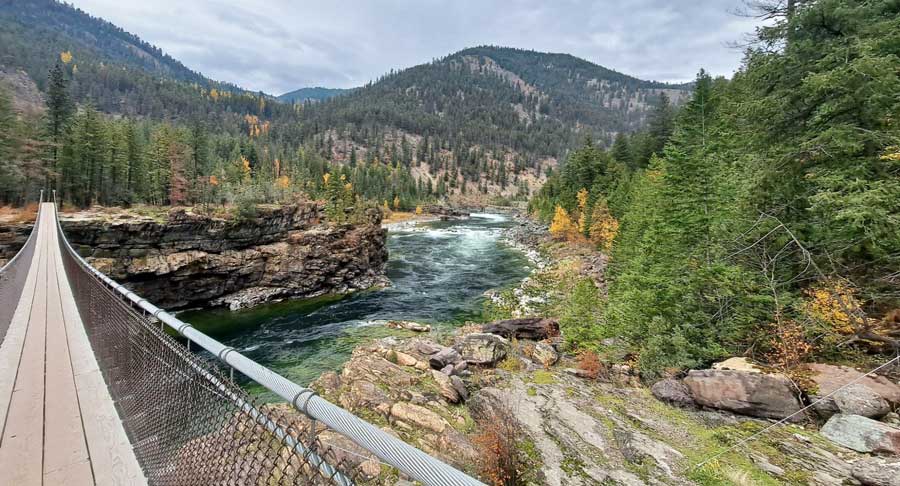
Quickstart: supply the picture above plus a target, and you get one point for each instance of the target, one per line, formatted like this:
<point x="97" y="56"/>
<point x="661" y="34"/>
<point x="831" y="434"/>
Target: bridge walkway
<point x="59" y="423"/>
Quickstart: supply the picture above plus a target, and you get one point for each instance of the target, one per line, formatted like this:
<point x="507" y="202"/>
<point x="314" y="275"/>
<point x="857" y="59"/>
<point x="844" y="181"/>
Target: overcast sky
<point x="280" y="45"/>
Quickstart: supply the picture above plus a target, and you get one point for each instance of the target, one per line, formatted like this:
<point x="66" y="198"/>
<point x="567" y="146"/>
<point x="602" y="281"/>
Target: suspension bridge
<point x="99" y="386"/>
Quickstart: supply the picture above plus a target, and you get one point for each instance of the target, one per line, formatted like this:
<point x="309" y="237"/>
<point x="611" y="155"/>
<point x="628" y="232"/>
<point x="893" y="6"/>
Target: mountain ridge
<point x="317" y="93"/>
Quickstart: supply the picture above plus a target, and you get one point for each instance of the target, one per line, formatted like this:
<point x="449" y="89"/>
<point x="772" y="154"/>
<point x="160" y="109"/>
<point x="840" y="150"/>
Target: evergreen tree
<point x="59" y="110"/>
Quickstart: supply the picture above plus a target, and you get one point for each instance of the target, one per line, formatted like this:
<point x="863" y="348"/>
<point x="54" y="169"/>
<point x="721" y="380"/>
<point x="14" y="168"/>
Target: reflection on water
<point x="439" y="272"/>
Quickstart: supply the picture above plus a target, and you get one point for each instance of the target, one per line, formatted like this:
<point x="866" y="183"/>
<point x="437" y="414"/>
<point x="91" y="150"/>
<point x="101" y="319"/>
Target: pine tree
<point x="59" y="111"/>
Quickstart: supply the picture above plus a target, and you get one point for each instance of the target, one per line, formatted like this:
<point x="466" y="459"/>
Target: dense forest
<point x="125" y="123"/>
<point x="767" y="223"/>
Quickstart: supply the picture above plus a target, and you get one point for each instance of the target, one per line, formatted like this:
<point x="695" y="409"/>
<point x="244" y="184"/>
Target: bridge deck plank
<point x="21" y="446"/>
<point x="60" y="425"/>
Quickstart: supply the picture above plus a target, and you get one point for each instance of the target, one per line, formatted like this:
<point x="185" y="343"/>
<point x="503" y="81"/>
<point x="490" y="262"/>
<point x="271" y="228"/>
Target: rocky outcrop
<point x="535" y="328"/>
<point x="189" y="260"/>
<point x="482" y="348"/>
<point x="875" y="471"/>
<point x="862" y="434"/>
<point x="754" y="394"/>
<point x="829" y="378"/>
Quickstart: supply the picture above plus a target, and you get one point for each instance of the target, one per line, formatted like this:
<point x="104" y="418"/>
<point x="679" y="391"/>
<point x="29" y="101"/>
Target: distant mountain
<point x="493" y="118"/>
<point x="484" y="121"/>
<point x="113" y="69"/>
<point x="312" y="94"/>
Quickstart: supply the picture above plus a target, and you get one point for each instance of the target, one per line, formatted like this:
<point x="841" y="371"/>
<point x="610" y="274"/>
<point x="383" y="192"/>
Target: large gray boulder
<point x="673" y="392"/>
<point x="754" y="394"/>
<point x="861" y="400"/>
<point x="862" y="434"/>
<point x="482" y="348"/>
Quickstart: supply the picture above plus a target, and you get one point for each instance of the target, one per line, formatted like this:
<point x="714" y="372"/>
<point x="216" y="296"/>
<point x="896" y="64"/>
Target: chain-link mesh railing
<point x="12" y="279"/>
<point x="190" y="424"/>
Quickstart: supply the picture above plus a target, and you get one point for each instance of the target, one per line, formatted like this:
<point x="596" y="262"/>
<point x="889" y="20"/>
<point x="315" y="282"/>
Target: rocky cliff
<point x="186" y="260"/>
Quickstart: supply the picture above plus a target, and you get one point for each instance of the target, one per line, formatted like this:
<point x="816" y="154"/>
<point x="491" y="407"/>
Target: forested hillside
<point x="125" y="123"/>
<point x="768" y="225"/>
<point x="490" y="104"/>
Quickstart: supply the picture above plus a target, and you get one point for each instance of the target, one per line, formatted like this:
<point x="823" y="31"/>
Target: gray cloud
<point x="280" y="45"/>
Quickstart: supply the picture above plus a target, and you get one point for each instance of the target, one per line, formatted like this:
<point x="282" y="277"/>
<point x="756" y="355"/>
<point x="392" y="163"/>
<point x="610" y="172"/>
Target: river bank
<point x="577" y="422"/>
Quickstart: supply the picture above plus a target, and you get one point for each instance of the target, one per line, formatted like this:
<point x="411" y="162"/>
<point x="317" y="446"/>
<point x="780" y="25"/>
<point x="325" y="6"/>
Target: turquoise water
<point x="439" y="272"/>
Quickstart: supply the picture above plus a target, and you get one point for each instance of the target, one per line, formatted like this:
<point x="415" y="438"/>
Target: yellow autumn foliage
<point x="891" y="154"/>
<point x="245" y="168"/>
<point x="418" y="210"/>
<point x="582" y="198"/>
<point x="830" y="302"/>
<point x="65" y="57"/>
<point x="604" y="227"/>
<point x="562" y="227"/>
<point x="283" y="182"/>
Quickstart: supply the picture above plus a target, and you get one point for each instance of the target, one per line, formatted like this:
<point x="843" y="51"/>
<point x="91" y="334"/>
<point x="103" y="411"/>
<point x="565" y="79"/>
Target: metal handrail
<point x="393" y="451"/>
<point x="31" y="236"/>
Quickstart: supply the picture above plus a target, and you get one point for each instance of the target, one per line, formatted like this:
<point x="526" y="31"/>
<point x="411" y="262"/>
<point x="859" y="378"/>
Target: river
<point x="439" y="272"/>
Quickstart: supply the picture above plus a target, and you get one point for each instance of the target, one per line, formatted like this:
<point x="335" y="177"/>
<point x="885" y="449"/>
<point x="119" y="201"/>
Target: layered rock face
<point x="190" y="260"/>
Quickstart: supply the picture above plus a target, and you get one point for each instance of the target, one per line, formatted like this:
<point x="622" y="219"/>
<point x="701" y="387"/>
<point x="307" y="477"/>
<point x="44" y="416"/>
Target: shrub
<point x="502" y="462"/>
<point x="589" y="364"/>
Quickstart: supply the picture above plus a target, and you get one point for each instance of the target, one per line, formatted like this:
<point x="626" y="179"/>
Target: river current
<point x="439" y="272"/>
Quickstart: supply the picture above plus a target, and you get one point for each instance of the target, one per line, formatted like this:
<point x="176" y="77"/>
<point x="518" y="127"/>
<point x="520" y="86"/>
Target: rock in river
<point x="409" y="326"/>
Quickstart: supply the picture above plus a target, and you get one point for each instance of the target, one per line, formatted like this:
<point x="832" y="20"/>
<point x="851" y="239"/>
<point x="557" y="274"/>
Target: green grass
<point x="543" y="377"/>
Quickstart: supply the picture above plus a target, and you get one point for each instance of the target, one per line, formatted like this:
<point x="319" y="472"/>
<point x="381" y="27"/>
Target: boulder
<point x="460" y="387"/>
<point x="876" y="471"/>
<point x="545" y="354"/>
<point x="445" y="387"/>
<point x="737" y="364"/>
<point x="419" y="416"/>
<point x="754" y="394"/>
<point x="673" y="392"/>
<point x="859" y="399"/>
<point x="487" y="403"/>
<point x="444" y="357"/>
<point x="376" y="370"/>
<point x="424" y="347"/>
<point x="535" y="328"/>
<point x="364" y="395"/>
<point x="482" y="348"/>
<point x="409" y="326"/>
<point x="829" y="378"/>
<point x="404" y="359"/>
<point x="862" y="434"/>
